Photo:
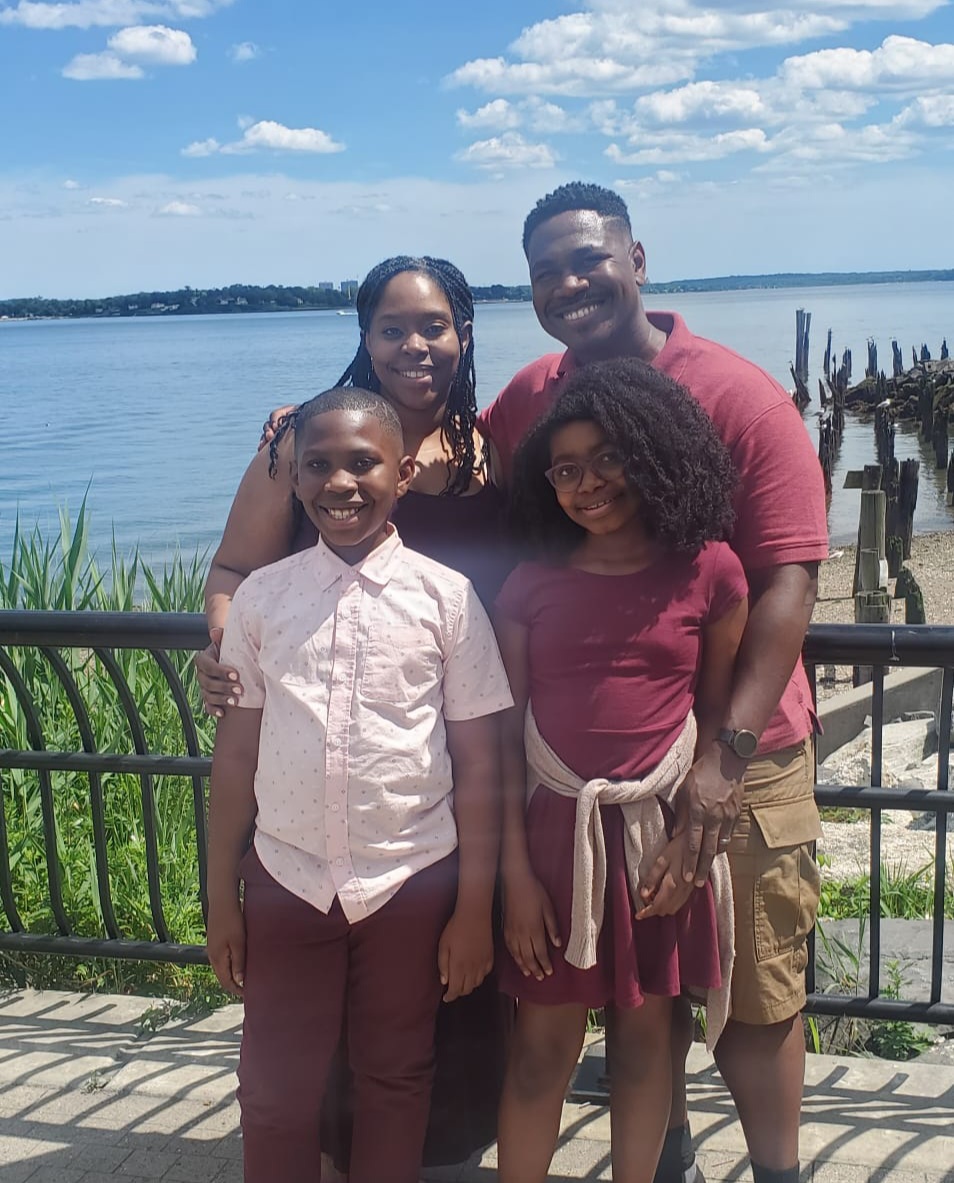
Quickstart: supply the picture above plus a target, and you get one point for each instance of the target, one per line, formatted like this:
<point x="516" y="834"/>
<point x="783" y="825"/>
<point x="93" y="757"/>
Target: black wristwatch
<point x="743" y="743"/>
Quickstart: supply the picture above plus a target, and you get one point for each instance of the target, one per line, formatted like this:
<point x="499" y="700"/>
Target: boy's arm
<point x="466" y="953"/>
<point x="665" y="889"/>
<point x="529" y="917"/>
<point x="232" y="812"/>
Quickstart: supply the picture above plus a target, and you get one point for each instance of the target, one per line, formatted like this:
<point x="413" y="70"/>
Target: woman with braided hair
<point x="416" y="348"/>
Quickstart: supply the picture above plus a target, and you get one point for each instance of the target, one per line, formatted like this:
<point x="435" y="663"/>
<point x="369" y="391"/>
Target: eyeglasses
<point x="567" y="477"/>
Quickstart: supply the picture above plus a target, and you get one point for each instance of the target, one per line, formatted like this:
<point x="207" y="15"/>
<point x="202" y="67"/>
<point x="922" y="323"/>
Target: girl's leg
<point x="394" y="993"/>
<point x="295" y="973"/>
<point x="545" y="1048"/>
<point x="640" y="1087"/>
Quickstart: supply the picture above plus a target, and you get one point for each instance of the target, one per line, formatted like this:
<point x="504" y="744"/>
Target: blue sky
<point x="147" y="144"/>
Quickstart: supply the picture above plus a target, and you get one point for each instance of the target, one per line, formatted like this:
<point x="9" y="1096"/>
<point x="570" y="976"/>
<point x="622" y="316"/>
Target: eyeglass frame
<point x="592" y="465"/>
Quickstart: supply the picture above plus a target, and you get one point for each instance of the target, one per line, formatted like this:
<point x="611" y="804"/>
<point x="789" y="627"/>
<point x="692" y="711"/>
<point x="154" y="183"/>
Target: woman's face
<point x="413" y="343"/>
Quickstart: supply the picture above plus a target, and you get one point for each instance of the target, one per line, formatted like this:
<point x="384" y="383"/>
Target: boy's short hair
<point x="576" y="195"/>
<point x="350" y="398"/>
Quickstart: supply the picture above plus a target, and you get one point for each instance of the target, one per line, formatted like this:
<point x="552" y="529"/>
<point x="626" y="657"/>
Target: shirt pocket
<point x="402" y="666"/>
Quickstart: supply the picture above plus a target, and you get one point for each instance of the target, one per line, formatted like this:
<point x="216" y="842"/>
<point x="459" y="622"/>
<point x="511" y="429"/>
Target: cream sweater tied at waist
<point x="645" y="837"/>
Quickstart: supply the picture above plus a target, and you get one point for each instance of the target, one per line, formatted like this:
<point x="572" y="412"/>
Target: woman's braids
<point x="675" y="461"/>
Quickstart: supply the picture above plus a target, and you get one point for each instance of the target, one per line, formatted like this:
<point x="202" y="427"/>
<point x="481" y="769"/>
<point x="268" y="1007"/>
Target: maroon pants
<point x="306" y="975"/>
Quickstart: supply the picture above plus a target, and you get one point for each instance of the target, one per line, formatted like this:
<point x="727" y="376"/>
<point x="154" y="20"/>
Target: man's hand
<point x="465" y="955"/>
<point x="272" y="424"/>
<point x="707" y="806"/>
<point x="529" y="919"/>
<point x="226" y="945"/>
<point x="219" y="683"/>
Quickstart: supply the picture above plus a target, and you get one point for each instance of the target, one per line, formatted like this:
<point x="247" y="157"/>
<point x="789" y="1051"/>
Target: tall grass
<point x="63" y="574"/>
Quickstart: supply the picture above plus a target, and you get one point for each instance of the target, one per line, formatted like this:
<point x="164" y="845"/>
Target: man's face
<point x="586" y="273"/>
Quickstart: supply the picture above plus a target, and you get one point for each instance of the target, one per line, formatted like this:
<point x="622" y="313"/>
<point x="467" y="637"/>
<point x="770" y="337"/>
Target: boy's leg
<point x="544" y="1051"/>
<point x="394" y="992"/>
<point x="640" y="1087"/>
<point x="295" y="973"/>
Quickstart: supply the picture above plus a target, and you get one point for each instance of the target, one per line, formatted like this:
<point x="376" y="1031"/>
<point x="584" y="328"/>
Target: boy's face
<point x="348" y="472"/>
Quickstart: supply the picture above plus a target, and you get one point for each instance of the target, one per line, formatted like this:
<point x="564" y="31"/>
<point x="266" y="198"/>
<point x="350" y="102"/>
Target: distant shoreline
<point x="240" y="299"/>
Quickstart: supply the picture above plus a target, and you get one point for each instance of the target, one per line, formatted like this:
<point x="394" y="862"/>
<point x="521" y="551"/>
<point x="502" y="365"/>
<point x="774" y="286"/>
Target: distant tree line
<point x="239" y="297"/>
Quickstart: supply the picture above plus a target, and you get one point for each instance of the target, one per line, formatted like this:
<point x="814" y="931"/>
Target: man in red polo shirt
<point x="750" y="792"/>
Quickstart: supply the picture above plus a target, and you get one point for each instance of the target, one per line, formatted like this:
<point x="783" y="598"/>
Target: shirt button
<point x="339" y="862"/>
<point x="335" y="808"/>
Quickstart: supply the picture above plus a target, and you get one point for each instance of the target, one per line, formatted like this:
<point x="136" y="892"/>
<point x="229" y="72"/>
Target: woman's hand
<point x="529" y="920"/>
<point x="465" y="955"/>
<point x="272" y="424"/>
<point x="219" y="683"/>
<point x="226" y="945"/>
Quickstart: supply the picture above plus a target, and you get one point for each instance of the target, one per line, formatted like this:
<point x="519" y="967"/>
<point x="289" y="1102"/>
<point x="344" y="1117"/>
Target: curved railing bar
<point x="146" y="791"/>
<point x="96" y="805"/>
<point x="35" y="735"/>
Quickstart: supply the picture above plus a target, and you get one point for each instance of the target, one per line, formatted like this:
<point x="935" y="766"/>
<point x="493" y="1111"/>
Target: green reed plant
<point x="63" y="574"/>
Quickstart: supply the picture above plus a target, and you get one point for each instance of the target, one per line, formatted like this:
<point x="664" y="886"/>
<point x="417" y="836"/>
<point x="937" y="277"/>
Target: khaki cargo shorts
<point x="775" y="883"/>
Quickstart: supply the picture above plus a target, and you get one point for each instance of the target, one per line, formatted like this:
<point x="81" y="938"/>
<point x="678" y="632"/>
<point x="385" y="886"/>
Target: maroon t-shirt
<point x="780" y="501"/>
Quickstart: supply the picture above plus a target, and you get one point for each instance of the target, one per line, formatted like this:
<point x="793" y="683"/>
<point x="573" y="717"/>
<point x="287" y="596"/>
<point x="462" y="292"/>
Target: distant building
<point x="348" y="287"/>
<point x="325" y="286"/>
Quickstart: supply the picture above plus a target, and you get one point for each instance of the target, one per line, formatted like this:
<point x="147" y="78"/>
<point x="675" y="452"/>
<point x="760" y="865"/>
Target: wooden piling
<point x="907" y="503"/>
<point x="939" y="437"/>
<point x="803" y="321"/>
<point x="871" y="369"/>
<point x="908" y="589"/>
<point x="872" y="605"/>
<point x="898" y="359"/>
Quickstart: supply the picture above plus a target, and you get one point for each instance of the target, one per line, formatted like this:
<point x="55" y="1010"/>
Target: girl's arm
<point x="260" y="530"/>
<point x="665" y="889"/>
<point x="466" y="952"/>
<point x="232" y="812"/>
<point x="529" y="917"/>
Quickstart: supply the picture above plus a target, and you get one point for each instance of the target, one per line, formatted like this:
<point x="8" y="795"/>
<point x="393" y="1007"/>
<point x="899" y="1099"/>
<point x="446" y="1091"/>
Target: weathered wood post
<point x="944" y="352"/>
<point x="803" y="322"/>
<point x="925" y="406"/>
<point x="950" y="482"/>
<point x="925" y="352"/>
<point x="871" y="369"/>
<point x="939" y="437"/>
<point x="829" y="373"/>
<point x="898" y="359"/>
<point x="872" y="605"/>
<point x="908" y="589"/>
<point x="907" y="503"/>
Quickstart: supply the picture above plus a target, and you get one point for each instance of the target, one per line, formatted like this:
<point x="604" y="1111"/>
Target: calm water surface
<point x="158" y="418"/>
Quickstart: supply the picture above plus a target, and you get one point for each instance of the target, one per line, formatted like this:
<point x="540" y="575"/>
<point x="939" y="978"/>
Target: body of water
<point x="157" y="418"/>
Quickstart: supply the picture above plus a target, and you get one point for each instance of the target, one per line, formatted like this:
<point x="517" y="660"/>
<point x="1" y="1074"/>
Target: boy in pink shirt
<point x="355" y="792"/>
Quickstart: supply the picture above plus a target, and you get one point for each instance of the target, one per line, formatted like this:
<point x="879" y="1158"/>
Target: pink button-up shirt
<point x="355" y="669"/>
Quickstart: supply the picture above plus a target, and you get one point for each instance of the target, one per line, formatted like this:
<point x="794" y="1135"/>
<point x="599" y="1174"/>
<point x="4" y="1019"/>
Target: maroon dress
<point x="467" y="534"/>
<point x="613" y="665"/>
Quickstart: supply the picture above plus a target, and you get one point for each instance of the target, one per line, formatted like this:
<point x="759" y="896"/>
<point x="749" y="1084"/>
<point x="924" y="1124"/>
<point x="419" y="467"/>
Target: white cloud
<point x="202" y="148"/>
<point x="498" y="115"/>
<point x="267" y="135"/>
<point x="87" y="14"/>
<point x="107" y="202"/>
<point x="509" y="150"/>
<point x="899" y="64"/>
<point x="928" y="111"/>
<point x="156" y="45"/>
<point x="535" y="113"/>
<point x="702" y="99"/>
<point x="245" y="51"/>
<point x="670" y="148"/>
<point x="178" y="209"/>
<point x="72" y="185"/>
<point x="91" y="67"/>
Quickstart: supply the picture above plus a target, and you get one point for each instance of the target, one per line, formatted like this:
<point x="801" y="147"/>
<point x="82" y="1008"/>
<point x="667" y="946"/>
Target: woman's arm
<point x="260" y="530"/>
<point x="529" y="917"/>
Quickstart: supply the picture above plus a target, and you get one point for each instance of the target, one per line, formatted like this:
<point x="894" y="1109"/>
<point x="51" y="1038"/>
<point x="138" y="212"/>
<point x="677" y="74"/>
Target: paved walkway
<point x="87" y="1095"/>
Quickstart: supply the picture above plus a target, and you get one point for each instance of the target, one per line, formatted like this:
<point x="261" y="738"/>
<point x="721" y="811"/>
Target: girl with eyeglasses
<point x="619" y="638"/>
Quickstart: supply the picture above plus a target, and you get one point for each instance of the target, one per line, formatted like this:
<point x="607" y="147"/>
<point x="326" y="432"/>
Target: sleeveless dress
<point x="467" y="534"/>
<point x="613" y="664"/>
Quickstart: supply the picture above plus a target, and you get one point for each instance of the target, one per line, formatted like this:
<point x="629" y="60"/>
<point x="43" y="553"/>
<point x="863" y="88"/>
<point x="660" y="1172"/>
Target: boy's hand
<point x="465" y="955"/>
<point x="226" y="946"/>
<point x="529" y="919"/>
<point x="665" y="889"/>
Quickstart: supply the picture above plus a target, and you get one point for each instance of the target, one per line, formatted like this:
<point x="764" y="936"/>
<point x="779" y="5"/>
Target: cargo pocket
<point x="786" y="876"/>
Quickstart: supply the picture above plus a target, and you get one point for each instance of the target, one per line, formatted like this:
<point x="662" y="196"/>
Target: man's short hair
<point x="576" y="195"/>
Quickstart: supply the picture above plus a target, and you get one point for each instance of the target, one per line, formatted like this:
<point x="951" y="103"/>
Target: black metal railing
<point x="68" y="643"/>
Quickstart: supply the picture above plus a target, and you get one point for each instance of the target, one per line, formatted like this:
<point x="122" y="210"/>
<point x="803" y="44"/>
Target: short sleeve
<point x="241" y="644"/>
<point x="475" y="682"/>
<point x="513" y="600"/>
<point x="728" y="584"/>
<point x="781" y="495"/>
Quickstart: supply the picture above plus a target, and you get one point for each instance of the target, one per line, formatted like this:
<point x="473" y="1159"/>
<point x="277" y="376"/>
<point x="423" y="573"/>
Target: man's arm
<point x="710" y="799"/>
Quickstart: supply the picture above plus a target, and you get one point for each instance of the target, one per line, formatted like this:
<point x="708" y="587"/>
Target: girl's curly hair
<point x="675" y="461"/>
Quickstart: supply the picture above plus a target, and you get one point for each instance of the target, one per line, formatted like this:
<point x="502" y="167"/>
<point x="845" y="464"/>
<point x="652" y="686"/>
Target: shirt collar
<point x="376" y="568"/>
<point x="669" y="322"/>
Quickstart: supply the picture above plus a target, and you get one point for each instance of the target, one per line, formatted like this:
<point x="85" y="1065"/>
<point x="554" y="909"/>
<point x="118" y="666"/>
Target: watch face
<point x="745" y="744"/>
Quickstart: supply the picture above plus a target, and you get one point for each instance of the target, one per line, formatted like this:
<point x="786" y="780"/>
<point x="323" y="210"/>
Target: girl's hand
<point x="665" y="889"/>
<point x="529" y="919"/>
<point x="219" y="683"/>
<point x="465" y="955"/>
<point x="226" y="946"/>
